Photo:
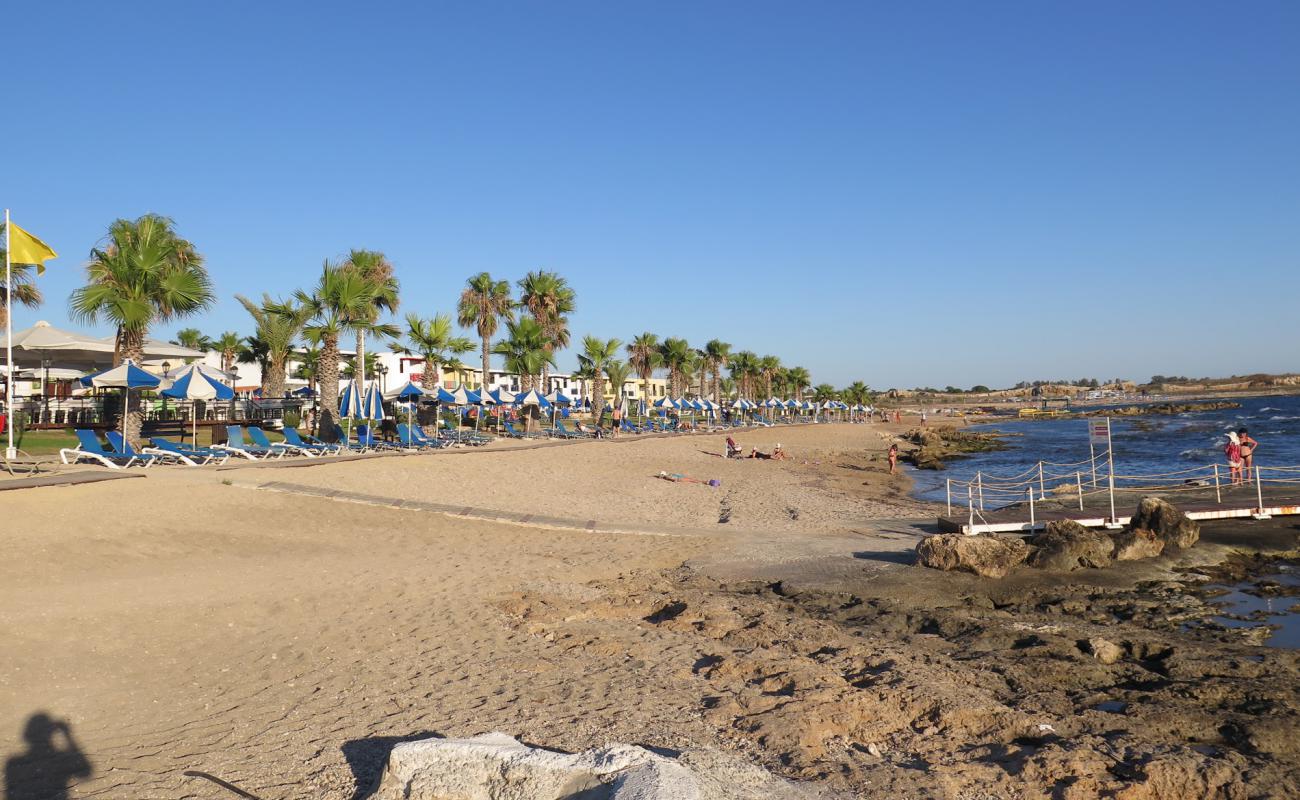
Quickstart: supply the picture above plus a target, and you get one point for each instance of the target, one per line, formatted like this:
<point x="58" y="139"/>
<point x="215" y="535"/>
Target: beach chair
<point x="510" y="430"/>
<point x="118" y="445"/>
<point x="366" y="437"/>
<point x="193" y="456"/>
<point x="294" y="439"/>
<point x="89" y="448"/>
<point x="409" y="439"/>
<point x="345" y="443"/>
<point x="562" y="432"/>
<point x="259" y="439"/>
<point x="236" y="445"/>
<point x="418" y="434"/>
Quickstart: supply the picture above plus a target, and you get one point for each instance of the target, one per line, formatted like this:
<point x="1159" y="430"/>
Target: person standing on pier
<point x="1248" y="446"/>
<point x="1233" y="451"/>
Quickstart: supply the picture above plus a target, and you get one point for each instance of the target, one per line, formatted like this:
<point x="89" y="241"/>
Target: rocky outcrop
<point x="985" y="555"/>
<point x="1165" y="522"/>
<point x="936" y="446"/>
<point x="1067" y="545"/>
<point x="1133" y="545"/>
<point x="495" y="766"/>
<point x="1163" y="409"/>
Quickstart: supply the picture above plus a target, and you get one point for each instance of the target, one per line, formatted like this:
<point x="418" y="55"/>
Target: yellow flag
<point x="27" y="249"/>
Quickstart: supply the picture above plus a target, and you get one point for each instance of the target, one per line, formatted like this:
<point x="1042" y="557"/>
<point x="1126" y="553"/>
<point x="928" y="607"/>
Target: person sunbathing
<point x="778" y="454"/>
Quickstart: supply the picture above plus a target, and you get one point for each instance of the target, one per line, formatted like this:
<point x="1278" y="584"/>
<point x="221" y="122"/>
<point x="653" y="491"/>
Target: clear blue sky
<point x="900" y="193"/>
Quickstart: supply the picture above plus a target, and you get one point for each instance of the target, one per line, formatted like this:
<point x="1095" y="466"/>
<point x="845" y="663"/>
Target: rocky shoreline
<point x="932" y="448"/>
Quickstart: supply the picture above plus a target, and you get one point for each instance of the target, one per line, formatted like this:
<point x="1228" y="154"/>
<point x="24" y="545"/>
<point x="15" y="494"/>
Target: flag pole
<point x="10" y="451"/>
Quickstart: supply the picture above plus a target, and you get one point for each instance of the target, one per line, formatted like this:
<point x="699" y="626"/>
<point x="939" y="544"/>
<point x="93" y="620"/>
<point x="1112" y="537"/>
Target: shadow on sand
<point x="53" y="760"/>
<point x="367" y="757"/>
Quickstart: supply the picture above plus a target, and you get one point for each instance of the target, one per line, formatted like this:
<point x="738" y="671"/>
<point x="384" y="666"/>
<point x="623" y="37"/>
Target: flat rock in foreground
<point x="495" y="766"/>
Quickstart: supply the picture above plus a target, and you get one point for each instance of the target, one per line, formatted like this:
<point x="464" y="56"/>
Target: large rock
<point x="986" y="555"/>
<point x="1168" y="524"/>
<point x="1067" y="545"/>
<point x="495" y="766"/>
<point x="1132" y="545"/>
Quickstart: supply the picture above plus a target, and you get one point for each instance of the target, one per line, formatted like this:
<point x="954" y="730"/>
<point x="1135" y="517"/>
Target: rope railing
<point x="1037" y="485"/>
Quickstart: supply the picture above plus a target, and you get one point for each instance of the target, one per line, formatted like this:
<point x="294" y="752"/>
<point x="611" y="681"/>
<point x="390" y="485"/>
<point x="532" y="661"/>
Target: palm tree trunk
<point x="429" y="380"/>
<point x="274" y="381"/>
<point x="598" y="396"/>
<point x="329" y="387"/>
<point x="487" y="360"/>
<point x="357" y="372"/>
<point x="717" y="384"/>
<point x="132" y="347"/>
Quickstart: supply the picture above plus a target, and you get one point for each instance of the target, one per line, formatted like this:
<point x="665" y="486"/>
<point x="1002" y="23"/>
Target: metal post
<point x="949" y="493"/>
<point x="1032" y="520"/>
<point x="1092" y="459"/>
<point x="1042" y="491"/>
<point x="1259" y="493"/>
<point x="1078" y="482"/>
<point x="11" y="452"/>
<point x="970" y="511"/>
<point x="979" y="478"/>
<point x="1111" y="480"/>
<point x="1218" y="495"/>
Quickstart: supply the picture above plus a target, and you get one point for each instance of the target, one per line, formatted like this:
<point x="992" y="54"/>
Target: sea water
<point x="1155" y="444"/>
<point x="1142" y="445"/>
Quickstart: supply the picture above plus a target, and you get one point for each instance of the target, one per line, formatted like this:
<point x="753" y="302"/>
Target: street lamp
<point x="167" y="367"/>
<point x="383" y="376"/>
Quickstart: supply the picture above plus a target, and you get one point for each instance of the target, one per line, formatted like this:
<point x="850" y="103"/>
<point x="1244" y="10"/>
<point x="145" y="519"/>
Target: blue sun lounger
<point x="259" y="438"/>
<point x="193" y="456"/>
<point x="89" y="448"/>
<point x="294" y="439"/>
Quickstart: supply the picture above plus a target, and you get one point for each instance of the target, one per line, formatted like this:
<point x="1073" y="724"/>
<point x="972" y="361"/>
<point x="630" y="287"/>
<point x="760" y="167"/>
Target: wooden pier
<point x="1241" y="502"/>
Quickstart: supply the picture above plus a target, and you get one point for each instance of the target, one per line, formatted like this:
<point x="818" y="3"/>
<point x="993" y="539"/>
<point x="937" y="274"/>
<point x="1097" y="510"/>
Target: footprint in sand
<point x="793" y="512"/>
<point x="724" y="511"/>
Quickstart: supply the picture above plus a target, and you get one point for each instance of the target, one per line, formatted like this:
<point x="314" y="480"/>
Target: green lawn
<point x="43" y="443"/>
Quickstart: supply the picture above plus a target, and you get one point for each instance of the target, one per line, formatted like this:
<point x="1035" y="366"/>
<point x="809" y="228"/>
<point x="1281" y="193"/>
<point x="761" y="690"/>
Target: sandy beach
<point x="282" y="642"/>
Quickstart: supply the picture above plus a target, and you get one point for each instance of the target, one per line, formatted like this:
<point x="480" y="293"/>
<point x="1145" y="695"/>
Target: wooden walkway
<point x="1236" y="503"/>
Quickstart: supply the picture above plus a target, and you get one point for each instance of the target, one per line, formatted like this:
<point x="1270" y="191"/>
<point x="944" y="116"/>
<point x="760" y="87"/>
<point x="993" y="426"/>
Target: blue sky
<point x="907" y="193"/>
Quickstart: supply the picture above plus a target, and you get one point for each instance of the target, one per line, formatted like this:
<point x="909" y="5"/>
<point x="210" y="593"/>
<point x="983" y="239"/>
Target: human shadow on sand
<point x="53" y="760"/>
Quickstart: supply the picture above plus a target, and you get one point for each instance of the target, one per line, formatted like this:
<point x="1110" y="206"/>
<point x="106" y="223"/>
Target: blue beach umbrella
<point x="194" y="384"/>
<point x="126" y="376"/>
<point x="350" y="406"/>
<point x="373" y="404"/>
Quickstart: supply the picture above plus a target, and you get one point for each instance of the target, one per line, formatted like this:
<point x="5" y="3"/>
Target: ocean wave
<point x="1281" y="417"/>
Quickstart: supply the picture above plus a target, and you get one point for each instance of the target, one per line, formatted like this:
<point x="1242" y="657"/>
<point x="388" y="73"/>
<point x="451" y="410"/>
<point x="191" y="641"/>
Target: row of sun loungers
<point x="249" y="443"/>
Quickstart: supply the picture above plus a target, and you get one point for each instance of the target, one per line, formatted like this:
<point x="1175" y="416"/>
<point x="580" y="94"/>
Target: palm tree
<point x="254" y="350"/>
<point x="194" y="339"/>
<point x="800" y="379"/>
<point x="618" y="373"/>
<point x="823" y="392"/>
<point x="676" y="354"/>
<point x="483" y="304"/>
<point x="643" y="356"/>
<point x="276" y="324"/>
<point x="584" y="374"/>
<point x="549" y="298"/>
<point x="143" y="274"/>
<point x="432" y="340"/>
<point x="598" y="353"/>
<point x="767" y="368"/>
<point x="349" y="371"/>
<point x="342" y="301"/>
<point x="25" y="290"/>
<point x="375" y="267"/>
<point x="716" y="354"/>
<point x="744" y="366"/>
<point x="728" y="388"/>
<point x="524" y="351"/>
<point x="308" y="368"/>
<point x="227" y="346"/>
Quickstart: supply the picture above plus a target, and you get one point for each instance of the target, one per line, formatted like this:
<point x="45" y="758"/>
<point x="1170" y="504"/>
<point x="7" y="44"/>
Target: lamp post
<point x="166" y="367"/>
<point x="383" y="377"/>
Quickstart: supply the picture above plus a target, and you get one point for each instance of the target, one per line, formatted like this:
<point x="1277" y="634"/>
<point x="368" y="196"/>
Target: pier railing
<point x="1095" y="478"/>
